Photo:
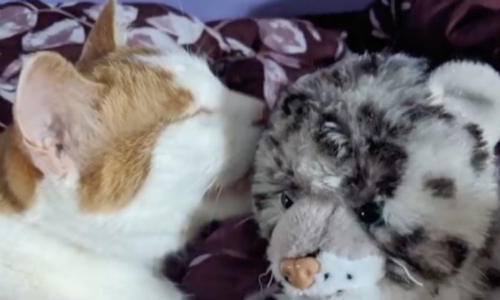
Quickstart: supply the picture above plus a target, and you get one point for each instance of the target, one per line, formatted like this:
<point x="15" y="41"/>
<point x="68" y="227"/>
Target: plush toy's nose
<point x="300" y="271"/>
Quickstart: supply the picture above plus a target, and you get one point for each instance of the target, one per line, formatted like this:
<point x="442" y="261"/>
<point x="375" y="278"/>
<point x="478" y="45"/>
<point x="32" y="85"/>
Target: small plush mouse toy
<point x="377" y="180"/>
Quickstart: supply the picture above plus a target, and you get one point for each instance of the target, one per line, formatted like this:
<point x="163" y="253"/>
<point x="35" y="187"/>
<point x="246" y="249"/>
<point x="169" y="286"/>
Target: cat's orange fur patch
<point x="18" y="177"/>
<point x="135" y="114"/>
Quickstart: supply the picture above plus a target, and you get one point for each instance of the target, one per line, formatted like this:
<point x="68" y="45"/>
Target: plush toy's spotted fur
<point x="384" y="171"/>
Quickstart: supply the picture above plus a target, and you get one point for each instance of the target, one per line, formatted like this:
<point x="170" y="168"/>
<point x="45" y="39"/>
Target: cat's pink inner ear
<point x="51" y="99"/>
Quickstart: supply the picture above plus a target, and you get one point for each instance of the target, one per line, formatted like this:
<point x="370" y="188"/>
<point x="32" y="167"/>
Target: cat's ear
<point x="53" y="112"/>
<point x="106" y="35"/>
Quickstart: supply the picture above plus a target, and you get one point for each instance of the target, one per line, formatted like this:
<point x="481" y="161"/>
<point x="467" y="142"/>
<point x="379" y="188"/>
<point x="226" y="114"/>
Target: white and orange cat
<point x="105" y="169"/>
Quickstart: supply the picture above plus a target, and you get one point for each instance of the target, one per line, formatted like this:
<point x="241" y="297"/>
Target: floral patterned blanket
<point x="257" y="57"/>
<point x="253" y="56"/>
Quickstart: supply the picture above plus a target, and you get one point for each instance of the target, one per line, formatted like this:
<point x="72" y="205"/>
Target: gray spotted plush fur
<point x="384" y="171"/>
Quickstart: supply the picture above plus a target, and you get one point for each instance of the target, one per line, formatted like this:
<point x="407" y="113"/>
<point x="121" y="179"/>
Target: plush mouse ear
<point x="53" y="111"/>
<point x="105" y="36"/>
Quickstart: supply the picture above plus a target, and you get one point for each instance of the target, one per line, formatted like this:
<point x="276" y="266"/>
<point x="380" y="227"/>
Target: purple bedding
<point x="255" y="56"/>
<point x="233" y="9"/>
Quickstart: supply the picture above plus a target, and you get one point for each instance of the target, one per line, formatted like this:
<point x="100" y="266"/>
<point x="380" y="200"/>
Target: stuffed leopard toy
<point x="377" y="180"/>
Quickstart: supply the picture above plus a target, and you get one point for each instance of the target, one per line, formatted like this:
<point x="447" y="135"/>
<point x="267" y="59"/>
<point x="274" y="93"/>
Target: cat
<point x="113" y="163"/>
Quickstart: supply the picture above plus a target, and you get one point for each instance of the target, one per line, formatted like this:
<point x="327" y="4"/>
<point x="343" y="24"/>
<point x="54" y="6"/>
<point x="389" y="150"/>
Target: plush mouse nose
<point x="300" y="271"/>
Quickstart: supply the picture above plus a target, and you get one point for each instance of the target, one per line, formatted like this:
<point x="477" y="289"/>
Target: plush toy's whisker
<point x="262" y="276"/>
<point x="270" y="279"/>
<point x="410" y="277"/>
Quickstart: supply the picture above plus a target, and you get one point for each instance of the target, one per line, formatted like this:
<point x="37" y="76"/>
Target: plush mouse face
<point x="366" y="181"/>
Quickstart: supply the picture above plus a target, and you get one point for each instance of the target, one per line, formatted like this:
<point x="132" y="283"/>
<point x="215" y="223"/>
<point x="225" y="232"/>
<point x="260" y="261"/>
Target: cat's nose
<point x="300" y="272"/>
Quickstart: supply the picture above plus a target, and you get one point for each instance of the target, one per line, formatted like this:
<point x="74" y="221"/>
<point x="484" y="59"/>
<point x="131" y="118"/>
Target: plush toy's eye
<point x="371" y="213"/>
<point x="286" y="201"/>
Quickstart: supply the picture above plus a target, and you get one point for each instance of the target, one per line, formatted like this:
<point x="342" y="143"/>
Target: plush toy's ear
<point x="53" y="111"/>
<point x="105" y="36"/>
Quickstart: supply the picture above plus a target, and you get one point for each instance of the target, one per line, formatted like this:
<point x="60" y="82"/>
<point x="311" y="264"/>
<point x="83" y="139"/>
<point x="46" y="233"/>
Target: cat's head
<point x="126" y="125"/>
<point x="362" y="181"/>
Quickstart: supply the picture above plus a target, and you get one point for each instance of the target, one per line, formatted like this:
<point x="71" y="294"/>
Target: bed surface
<point x="258" y="57"/>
